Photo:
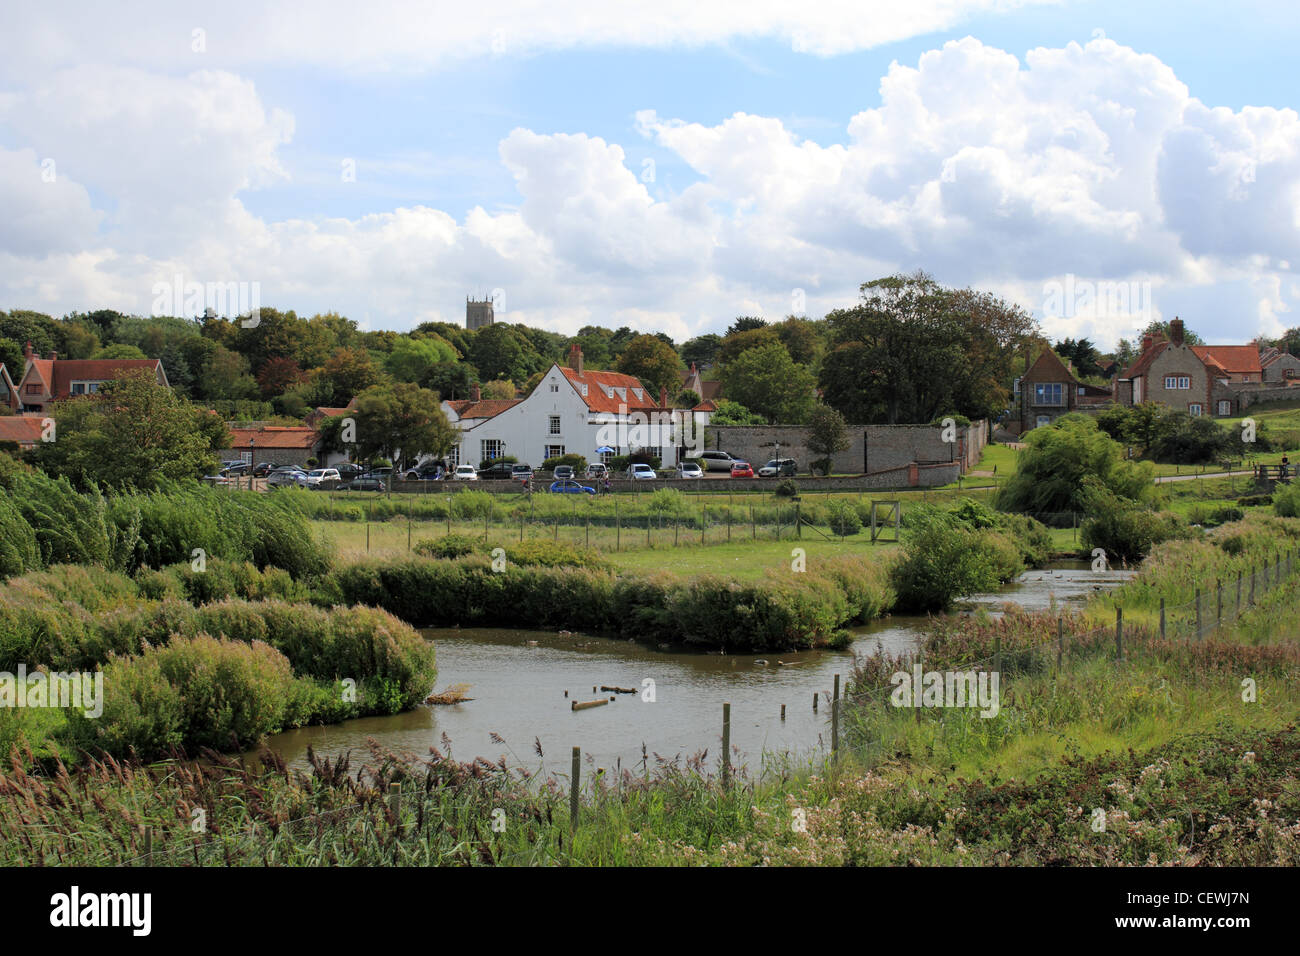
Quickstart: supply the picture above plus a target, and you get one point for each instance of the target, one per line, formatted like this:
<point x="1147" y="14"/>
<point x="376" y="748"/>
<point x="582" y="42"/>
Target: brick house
<point x="1279" y="368"/>
<point x="53" y="379"/>
<point x="8" y="391"/>
<point x="1197" y="379"/>
<point x="1048" y="390"/>
<point x="284" y="446"/>
<point x="24" y="430"/>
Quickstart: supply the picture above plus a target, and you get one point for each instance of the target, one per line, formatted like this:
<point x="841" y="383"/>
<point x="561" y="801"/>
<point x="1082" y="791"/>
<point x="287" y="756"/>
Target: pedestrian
<point x="606" y="482"/>
<point x="1285" y="462"/>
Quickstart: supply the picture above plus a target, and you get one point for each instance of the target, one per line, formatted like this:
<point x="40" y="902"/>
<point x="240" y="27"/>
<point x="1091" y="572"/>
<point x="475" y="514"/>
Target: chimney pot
<point x="27" y="349"/>
<point x="1176" y="331"/>
<point x="475" y="393"/>
<point x="54" y="356"/>
<point x="575" y="358"/>
<point x="663" y="397"/>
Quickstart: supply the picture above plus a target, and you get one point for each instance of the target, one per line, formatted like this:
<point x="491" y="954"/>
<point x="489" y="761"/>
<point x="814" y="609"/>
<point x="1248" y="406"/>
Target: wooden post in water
<point x="726" y="744"/>
<point x="783" y="711"/>
<point x="814" y="702"/>
<point x="573" y="789"/>
<point x="1119" y="633"/>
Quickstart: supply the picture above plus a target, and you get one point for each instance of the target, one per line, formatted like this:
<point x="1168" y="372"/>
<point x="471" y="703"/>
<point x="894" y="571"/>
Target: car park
<point x="779" y="468"/>
<point x="715" y="460"/>
<point x="236" y="470"/>
<point x="641" y="472"/>
<point x="689" y="469"/>
<point x="570" y="487"/>
<point x="465" y="473"/>
<point x="264" y="468"/>
<point x="741" y="469"/>
<point x="430" y="472"/>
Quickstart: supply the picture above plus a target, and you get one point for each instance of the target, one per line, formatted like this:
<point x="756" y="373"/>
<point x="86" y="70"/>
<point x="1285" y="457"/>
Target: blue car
<point x="569" y="487"/>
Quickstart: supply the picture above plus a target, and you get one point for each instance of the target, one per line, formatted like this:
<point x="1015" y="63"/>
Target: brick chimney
<point x="54" y="356"/>
<point x="663" y="397"/>
<point x="1146" y="342"/>
<point x="475" y="394"/>
<point x="1176" y="331"/>
<point x="27" y="350"/>
<point x="575" y="358"/>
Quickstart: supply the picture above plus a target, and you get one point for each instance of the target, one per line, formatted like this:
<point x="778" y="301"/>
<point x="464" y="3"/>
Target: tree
<point x="701" y="350"/>
<point x="828" y="433"/>
<point x="501" y="351"/>
<point x="277" y="376"/>
<point x="769" y="383"/>
<point x="654" y="362"/>
<point x="132" y="433"/>
<point x="912" y="349"/>
<point x="686" y="398"/>
<point x="401" y="418"/>
<point x="120" y="350"/>
<point x="800" y="338"/>
<point x="414" y="359"/>
<point x="1161" y="330"/>
<point x="734" y="413"/>
<point x="11" y="357"/>
<point x="226" y="377"/>
<point x="738" y="343"/>
<point x="746" y="323"/>
<point x="348" y="372"/>
<point x="502" y="388"/>
<point x="1051" y="474"/>
<point x="1082" y="354"/>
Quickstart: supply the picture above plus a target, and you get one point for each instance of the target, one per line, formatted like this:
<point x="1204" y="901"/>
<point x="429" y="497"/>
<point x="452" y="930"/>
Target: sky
<point x="666" y="166"/>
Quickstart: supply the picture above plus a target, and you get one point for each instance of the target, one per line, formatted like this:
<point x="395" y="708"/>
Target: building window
<point x="608" y="456"/>
<point x="1177" y="381"/>
<point x="1049" y="393"/>
<point x="554" y="451"/>
<point x="554" y="387"/>
<point x="555" y="424"/>
<point x="33" y="390"/>
<point x="78" y="388"/>
<point x="1194" y="410"/>
<point x="453" y="457"/>
<point x="1225" y="408"/>
<point x="490" y="448"/>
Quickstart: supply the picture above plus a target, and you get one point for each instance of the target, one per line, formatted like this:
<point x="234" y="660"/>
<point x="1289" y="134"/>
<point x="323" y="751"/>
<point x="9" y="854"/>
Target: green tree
<point x="401" y="418"/>
<point x="746" y="323"/>
<point x="654" y="362"/>
<point x="828" y="433"/>
<point x="120" y="350"/>
<point x="132" y="433"/>
<point x="769" y="383"/>
<point x="702" y="350"/>
<point x="734" y="413"/>
<point x="11" y="357"/>
<point x="348" y="372"/>
<point x="1050" y="477"/>
<point x="414" y="359"/>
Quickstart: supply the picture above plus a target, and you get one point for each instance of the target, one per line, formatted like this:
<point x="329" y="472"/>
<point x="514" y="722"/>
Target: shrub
<point x="668" y="501"/>
<point x="941" y="563"/>
<point x="577" y="462"/>
<point x="1286" y="500"/>
<point x="844" y="519"/>
<point x="448" y="546"/>
<point x="1254" y="501"/>
<point x="1128" y="533"/>
<point x="551" y="554"/>
<point x="473" y="505"/>
<point x="18" y="549"/>
<point x="786" y="488"/>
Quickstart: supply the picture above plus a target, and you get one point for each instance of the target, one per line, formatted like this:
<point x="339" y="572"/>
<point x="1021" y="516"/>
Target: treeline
<point x="909" y="351"/>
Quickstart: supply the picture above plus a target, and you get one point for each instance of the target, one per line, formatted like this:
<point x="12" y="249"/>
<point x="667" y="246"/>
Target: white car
<point x="465" y="473"/>
<point x="318" y="476"/>
<point x="689" y="469"/>
<point x="641" y="473"/>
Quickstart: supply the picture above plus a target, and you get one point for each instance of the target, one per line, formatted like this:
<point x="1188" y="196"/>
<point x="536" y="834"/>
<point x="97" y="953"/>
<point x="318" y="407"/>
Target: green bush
<point x="786" y="488"/>
<point x="552" y="554"/>
<point x="942" y="562"/>
<point x="473" y="505"/>
<point x="1254" y="501"/>
<point x="843" y="517"/>
<point x="576" y="462"/>
<point x="1286" y="500"/>
<point x="448" y="546"/>
<point x="18" y="548"/>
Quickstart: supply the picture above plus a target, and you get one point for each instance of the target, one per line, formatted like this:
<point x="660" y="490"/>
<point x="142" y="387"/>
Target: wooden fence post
<point x="1119" y="633"/>
<point x="573" y="789"/>
<point x="835" y="718"/>
<point x="1060" y="641"/>
<point x="1238" y="614"/>
<point x="148" y="844"/>
<point x="1198" y="614"/>
<point x="1252" y="586"/>
<point x="395" y="805"/>
<point x="1162" y="619"/>
<point x="726" y="744"/>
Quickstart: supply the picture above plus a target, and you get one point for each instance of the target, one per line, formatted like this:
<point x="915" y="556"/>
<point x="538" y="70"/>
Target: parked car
<point x="779" y="468"/>
<point x="741" y="469"/>
<point x="322" y="478"/>
<point x="563" y="472"/>
<point x="641" y="472"/>
<point x="689" y="469"/>
<point x="348" y="470"/>
<point x="716" y="460"/>
<point x="217" y="480"/>
<point x="596" y="469"/>
<point x="570" y="487"/>
<point x="236" y="470"/>
<point x="521" y="472"/>
<point x="430" y="472"/>
<point x="465" y="473"/>
<point x="286" y="477"/>
<point x="502" y="470"/>
<point x="364" y="483"/>
<point x="264" y="468"/>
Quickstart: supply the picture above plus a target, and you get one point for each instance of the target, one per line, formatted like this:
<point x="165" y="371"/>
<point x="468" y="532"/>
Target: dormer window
<point x="638" y="393"/>
<point x="583" y="386"/>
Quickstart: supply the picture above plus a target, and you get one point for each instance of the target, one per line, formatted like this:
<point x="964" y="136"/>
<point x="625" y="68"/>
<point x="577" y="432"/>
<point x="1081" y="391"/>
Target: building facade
<point x="478" y="314"/>
<point x="53" y="379"/>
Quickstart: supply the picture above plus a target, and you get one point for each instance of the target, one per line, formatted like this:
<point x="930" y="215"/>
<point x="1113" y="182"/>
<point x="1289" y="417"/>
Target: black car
<point x="501" y="470"/>
<point x="235" y="471"/>
<point x="264" y="468"/>
<point x="347" y="471"/>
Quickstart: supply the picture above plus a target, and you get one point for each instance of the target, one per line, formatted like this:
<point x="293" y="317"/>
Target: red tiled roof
<point x="67" y="371"/>
<point x="274" y="437"/>
<point x="1143" y="362"/>
<point x="332" y="412"/>
<point x="485" y="408"/>
<point x="598" y="400"/>
<point x="706" y="406"/>
<point x="1236" y="359"/>
<point x="23" y="429"/>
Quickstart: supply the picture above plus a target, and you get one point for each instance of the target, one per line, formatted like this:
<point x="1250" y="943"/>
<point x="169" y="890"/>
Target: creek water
<point x="518" y="681"/>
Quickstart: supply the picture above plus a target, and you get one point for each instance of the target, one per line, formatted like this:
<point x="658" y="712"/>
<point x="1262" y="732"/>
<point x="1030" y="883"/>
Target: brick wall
<point x="872" y="448"/>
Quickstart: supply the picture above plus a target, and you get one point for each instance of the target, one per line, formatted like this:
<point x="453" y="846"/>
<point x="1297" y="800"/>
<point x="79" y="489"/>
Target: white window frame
<point x="453" y="457"/>
<point x="555" y="426"/>
<point x="1194" y="409"/>
<point x="553" y="451"/>
<point x="608" y="456"/>
<point x="1049" y="393"/>
<point x="494" y="445"/>
<point x="1225" y="407"/>
<point x="1179" y="382"/>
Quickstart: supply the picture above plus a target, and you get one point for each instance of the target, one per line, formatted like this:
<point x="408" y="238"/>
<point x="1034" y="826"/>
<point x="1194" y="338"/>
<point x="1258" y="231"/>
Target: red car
<point x="741" y="469"/>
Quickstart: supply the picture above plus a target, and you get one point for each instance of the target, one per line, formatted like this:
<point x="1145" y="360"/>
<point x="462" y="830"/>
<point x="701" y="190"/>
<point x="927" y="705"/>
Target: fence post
<point x="704" y="522"/>
<point x="835" y="718"/>
<point x="618" y="528"/>
<point x="367" y="537"/>
<point x="798" y="525"/>
<point x="1238" y="592"/>
<point x="726" y="744"/>
<point x="1060" y="641"/>
<point x="1252" y="585"/>
<point x="753" y="526"/>
<point x="997" y="653"/>
<point x="1199" y="628"/>
<point x="1218" y="603"/>
<point x="573" y="789"/>
<point x="814" y="702"/>
<point x="1119" y="633"/>
<point x="148" y="844"/>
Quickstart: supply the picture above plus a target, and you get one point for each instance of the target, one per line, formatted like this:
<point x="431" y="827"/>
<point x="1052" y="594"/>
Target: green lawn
<point x="745" y="560"/>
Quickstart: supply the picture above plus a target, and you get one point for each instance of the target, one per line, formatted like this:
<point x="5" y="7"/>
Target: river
<point x="519" y="679"/>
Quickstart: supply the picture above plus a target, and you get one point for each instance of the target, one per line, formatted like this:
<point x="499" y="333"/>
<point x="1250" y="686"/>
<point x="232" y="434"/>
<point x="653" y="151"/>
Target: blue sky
<point x="1147" y="143"/>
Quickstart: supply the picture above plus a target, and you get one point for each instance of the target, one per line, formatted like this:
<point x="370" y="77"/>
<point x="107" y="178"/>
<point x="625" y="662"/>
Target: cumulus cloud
<point x="1088" y="161"/>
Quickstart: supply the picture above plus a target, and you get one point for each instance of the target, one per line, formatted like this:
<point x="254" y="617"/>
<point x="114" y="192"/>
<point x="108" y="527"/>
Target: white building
<point x="572" y="411"/>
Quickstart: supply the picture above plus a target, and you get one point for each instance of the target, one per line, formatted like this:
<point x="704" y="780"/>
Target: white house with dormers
<point x="572" y="411"/>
